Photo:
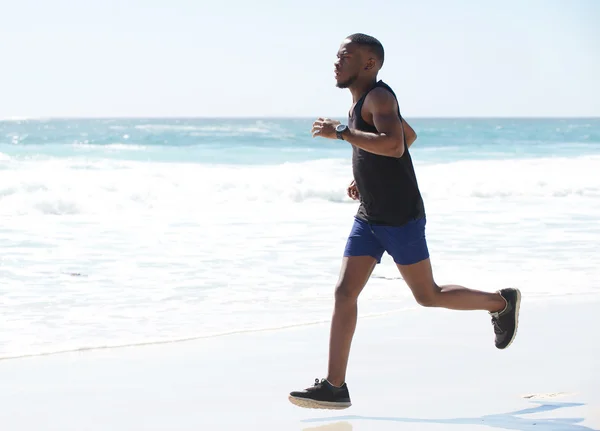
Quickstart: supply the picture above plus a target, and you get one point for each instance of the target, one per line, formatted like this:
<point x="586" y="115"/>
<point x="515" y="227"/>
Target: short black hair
<point x="373" y="44"/>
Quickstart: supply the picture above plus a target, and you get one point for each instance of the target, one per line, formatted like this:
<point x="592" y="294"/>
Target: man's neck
<point x="360" y="87"/>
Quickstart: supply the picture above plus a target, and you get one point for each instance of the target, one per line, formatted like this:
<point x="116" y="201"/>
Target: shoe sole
<point x="517" y="309"/>
<point x="314" y="404"/>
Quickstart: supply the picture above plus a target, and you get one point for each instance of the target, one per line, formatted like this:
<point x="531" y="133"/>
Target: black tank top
<point x="389" y="193"/>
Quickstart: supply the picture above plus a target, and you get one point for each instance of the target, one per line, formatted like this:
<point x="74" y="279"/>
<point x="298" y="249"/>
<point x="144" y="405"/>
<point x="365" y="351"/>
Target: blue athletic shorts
<point x="406" y="244"/>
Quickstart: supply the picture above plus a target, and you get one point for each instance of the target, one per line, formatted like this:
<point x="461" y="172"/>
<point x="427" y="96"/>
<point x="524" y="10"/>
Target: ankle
<point x="501" y="304"/>
<point x="337" y="382"/>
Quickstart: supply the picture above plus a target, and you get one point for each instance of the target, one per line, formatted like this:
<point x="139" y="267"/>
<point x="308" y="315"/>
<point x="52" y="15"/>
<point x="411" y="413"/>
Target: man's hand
<point x="325" y="128"/>
<point x="353" y="191"/>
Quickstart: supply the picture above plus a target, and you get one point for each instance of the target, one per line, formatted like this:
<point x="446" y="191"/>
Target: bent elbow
<point x="398" y="150"/>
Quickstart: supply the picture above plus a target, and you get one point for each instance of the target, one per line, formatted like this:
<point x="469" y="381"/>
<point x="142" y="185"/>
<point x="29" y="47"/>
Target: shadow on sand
<point x="510" y="421"/>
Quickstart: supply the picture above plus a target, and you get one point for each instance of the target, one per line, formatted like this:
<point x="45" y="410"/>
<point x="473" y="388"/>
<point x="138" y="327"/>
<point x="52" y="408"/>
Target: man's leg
<point x="363" y="251"/>
<point x="354" y="275"/>
<point x="419" y="278"/>
<point x="408" y="247"/>
<point x="503" y="305"/>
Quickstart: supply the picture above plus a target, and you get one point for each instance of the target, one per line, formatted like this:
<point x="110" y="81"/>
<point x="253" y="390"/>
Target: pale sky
<point x="141" y="58"/>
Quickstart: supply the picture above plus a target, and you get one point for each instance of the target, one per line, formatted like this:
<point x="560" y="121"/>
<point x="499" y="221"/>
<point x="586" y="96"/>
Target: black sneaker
<point x="323" y="395"/>
<point x="506" y="321"/>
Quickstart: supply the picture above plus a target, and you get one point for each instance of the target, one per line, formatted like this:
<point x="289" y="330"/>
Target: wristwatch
<point x="339" y="129"/>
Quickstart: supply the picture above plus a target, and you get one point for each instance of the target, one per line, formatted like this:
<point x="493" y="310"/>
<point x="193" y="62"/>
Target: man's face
<point x="348" y="65"/>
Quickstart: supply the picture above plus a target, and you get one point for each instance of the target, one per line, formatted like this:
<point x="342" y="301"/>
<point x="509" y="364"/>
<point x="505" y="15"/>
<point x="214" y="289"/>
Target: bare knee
<point x="354" y="274"/>
<point x="346" y="292"/>
<point x="427" y="297"/>
<point x="427" y="301"/>
<point x="419" y="277"/>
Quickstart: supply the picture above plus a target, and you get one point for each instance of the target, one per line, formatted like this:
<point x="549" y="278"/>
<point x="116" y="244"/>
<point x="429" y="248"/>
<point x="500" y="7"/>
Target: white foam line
<point x="199" y="337"/>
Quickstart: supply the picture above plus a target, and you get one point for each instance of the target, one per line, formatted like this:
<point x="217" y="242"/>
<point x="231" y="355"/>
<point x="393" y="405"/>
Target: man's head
<point x="360" y="55"/>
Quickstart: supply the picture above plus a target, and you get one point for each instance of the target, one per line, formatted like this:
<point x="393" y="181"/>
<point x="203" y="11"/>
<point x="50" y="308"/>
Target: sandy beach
<point x="418" y="369"/>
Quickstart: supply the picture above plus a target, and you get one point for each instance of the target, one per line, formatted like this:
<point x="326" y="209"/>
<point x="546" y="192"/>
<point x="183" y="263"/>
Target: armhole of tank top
<point x="361" y="102"/>
<point x="358" y="108"/>
<point x="399" y="116"/>
<point x="388" y="88"/>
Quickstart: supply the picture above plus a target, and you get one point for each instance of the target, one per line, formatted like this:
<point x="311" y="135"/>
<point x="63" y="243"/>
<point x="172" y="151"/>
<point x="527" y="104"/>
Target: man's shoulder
<point x="381" y="96"/>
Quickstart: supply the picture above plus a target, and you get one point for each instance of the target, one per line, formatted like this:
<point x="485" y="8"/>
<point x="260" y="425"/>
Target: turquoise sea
<point x="127" y="231"/>
<point x="274" y="141"/>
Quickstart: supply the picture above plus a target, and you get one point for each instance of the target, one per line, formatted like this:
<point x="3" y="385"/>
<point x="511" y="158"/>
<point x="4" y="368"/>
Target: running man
<point x="390" y="218"/>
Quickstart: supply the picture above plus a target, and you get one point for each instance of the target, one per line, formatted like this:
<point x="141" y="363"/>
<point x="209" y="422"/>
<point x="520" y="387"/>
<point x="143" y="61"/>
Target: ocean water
<point x="130" y="231"/>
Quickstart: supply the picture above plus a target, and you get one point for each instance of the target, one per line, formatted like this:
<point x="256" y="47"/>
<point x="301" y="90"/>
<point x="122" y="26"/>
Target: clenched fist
<point x="325" y="128"/>
<point x="353" y="191"/>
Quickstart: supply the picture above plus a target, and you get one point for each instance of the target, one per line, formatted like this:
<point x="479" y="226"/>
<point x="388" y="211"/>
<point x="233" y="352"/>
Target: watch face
<point x="340" y="127"/>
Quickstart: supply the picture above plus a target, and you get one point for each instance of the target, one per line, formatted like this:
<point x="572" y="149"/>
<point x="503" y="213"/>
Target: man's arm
<point x="409" y="134"/>
<point x="381" y="106"/>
